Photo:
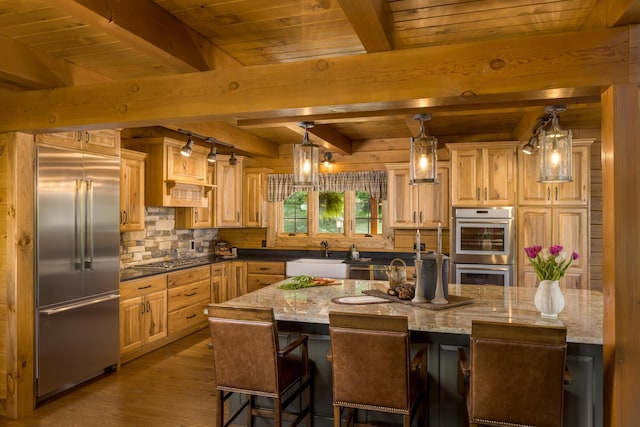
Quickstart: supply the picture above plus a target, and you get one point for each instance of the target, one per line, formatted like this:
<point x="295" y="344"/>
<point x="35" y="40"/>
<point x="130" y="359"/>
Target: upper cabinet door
<point x="186" y="169"/>
<point x="229" y="193"/>
<point x="576" y="193"/>
<point x="401" y="205"/>
<point x="498" y="173"/>
<point x="483" y="174"/>
<point x="132" y="190"/>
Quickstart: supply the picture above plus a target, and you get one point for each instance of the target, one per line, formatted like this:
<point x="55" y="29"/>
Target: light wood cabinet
<point x="483" y="174"/>
<point x="219" y="281"/>
<point x="143" y="313"/>
<point x="542" y="226"/>
<point x="237" y="284"/>
<point x="132" y="190"/>
<point x="172" y="179"/>
<point x="422" y="205"/>
<point x="228" y="209"/>
<point x="576" y="193"/>
<point x="188" y="294"/>
<point x="198" y="217"/>
<point x="102" y="141"/>
<point x="264" y="273"/>
<point x="254" y="197"/>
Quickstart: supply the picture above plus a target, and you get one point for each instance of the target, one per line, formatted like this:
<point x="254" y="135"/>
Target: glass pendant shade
<point x="555" y="153"/>
<point x="424" y="155"/>
<point x="306" y="158"/>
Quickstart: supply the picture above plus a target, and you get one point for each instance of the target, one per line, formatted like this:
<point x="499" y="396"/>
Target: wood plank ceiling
<point x="61" y="43"/>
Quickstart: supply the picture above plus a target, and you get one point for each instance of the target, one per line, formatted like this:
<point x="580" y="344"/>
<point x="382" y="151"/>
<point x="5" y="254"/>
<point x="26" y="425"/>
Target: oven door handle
<point x="462" y="221"/>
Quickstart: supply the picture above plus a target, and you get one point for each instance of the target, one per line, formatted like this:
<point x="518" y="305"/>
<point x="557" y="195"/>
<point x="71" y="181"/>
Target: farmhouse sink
<point x="317" y="267"/>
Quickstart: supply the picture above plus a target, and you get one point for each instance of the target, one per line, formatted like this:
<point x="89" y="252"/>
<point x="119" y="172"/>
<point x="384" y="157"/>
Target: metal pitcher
<point x="397" y="274"/>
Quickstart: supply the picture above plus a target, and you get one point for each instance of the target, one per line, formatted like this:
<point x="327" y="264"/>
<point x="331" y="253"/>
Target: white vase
<point x="549" y="299"/>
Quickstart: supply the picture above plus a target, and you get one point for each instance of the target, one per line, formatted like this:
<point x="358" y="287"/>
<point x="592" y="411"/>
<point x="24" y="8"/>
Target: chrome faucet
<point x="325" y="247"/>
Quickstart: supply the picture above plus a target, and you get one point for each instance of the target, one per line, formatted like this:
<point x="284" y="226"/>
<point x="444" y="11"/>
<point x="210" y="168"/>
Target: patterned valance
<point x="373" y="182"/>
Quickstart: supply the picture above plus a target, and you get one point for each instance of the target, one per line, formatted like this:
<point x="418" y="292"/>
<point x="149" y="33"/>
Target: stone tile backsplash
<point x="160" y="241"/>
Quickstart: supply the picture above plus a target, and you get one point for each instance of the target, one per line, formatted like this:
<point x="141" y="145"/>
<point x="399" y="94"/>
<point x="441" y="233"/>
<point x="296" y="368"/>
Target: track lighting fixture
<point x="186" y="150"/>
<point x="327" y="159"/>
<point x="305" y="161"/>
<point x="424" y="155"/>
<point x="530" y="146"/>
<point x="211" y="157"/>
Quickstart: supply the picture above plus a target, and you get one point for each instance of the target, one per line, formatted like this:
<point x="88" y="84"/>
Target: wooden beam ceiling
<point x="371" y="20"/>
<point x="160" y="33"/>
<point x="34" y="69"/>
<point x="538" y="68"/>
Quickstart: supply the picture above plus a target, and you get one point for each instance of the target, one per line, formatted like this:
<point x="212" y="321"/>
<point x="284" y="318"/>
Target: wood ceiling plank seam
<point x="213" y="28"/>
<point x="561" y="21"/>
<point x="335" y="43"/>
<point x="479" y="35"/>
<point x="327" y="29"/>
<point x="482" y="7"/>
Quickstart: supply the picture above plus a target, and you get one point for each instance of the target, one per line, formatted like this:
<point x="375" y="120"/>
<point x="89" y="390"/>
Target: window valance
<point x="373" y="182"/>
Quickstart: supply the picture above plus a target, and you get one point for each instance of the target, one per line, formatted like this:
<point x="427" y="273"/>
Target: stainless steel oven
<point x="483" y="245"/>
<point x="483" y="274"/>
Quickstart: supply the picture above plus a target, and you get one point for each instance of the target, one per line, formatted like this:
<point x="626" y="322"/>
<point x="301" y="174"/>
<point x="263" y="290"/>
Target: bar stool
<point x="248" y="360"/>
<point x="372" y="367"/>
<point x="516" y="375"/>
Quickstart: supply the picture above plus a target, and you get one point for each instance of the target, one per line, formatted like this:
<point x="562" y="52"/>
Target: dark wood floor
<point x="172" y="386"/>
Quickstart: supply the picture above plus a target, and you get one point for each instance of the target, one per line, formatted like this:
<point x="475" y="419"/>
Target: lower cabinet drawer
<point x="188" y="317"/>
<point x="257" y="281"/>
<point x="183" y="296"/>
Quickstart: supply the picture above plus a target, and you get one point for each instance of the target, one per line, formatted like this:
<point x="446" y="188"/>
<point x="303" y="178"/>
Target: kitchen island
<point x="306" y="311"/>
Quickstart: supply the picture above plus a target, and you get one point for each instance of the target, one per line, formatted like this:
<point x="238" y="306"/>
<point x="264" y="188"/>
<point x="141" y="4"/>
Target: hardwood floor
<point x="172" y="386"/>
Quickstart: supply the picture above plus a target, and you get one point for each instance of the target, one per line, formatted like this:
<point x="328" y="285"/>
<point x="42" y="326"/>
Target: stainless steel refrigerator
<point x="77" y="270"/>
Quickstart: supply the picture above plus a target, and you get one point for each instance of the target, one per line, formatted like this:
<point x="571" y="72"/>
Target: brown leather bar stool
<point x="248" y="360"/>
<point x="373" y="370"/>
<point x="515" y="376"/>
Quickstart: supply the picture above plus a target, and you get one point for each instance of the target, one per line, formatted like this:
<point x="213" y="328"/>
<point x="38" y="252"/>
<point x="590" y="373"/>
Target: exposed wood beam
<point x="243" y="142"/>
<point x="482" y="72"/>
<point x="587" y="97"/>
<point x="623" y="12"/>
<point x="27" y="68"/>
<point x="371" y="20"/>
<point x="522" y="132"/>
<point x="160" y="33"/>
<point x="327" y="137"/>
<point x="240" y="139"/>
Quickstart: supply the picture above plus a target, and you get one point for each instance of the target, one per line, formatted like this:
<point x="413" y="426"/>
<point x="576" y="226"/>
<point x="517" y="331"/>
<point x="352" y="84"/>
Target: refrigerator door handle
<point x="89" y="249"/>
<point x="79" y="304"/>
<point x="78" y="256"/>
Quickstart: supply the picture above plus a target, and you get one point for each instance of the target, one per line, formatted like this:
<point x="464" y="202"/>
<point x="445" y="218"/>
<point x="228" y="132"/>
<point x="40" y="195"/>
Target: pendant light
<point x="424" y="155"/>
<point x="212" y="157"/>
<point x="555" y="149"/>
<point x="186" y="149"/>
<point x="305" y="161"/>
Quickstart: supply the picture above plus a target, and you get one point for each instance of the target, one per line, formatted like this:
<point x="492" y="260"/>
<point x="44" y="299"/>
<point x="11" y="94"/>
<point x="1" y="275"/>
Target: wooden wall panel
<point x="4" y="326"/>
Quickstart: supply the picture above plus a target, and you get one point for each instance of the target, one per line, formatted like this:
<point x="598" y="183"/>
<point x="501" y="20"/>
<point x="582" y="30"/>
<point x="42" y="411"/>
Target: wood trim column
<point x="621" y="252"/>
<point x="20" y="278"/>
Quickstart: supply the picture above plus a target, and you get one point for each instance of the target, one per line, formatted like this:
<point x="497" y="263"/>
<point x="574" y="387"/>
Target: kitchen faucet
<point x="325" y="247"/>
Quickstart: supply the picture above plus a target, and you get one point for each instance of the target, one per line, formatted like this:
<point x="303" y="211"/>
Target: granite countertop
<point x="582" y="315"/>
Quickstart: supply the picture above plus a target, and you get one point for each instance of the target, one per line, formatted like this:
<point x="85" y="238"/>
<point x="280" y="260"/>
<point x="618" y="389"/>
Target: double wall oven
<point x="483" y="246"/>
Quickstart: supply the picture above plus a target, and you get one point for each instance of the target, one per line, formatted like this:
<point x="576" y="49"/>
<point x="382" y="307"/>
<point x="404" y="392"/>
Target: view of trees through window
<point x="368" y="214"/>
<point x="296" y="213"/>
<point x="331" y="212"/>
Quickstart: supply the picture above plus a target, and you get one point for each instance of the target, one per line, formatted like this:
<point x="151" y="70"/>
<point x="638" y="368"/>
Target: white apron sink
<point x="317" y="267"/>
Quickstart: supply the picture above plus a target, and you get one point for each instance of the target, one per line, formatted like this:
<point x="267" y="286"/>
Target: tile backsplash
<point x="161" y="241"/>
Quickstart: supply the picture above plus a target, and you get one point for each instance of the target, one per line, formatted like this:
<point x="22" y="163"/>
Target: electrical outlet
<point x="192" y="245"/>
<point x="422" y="247"/>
